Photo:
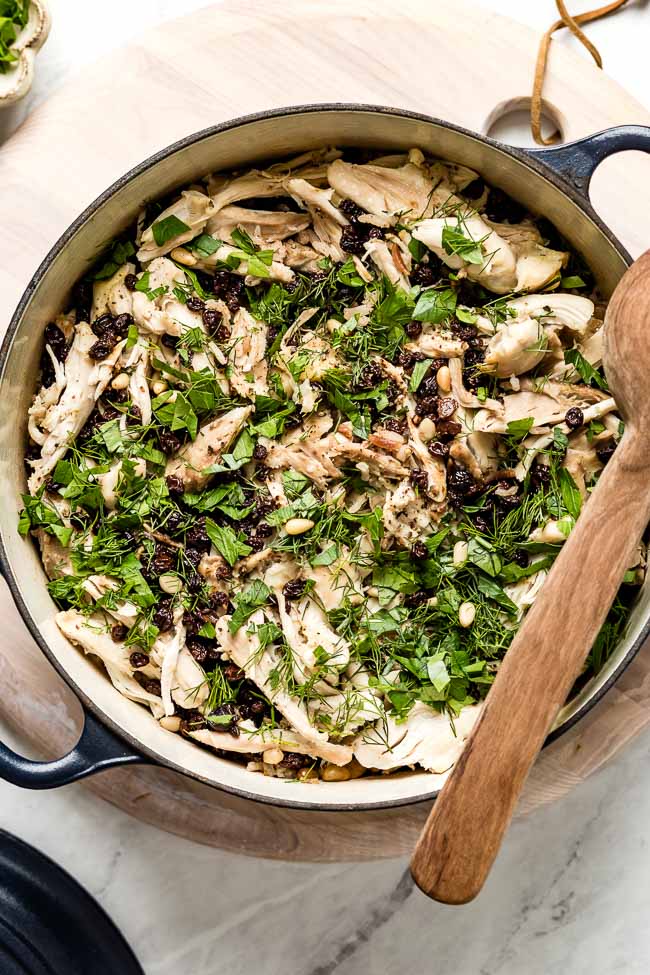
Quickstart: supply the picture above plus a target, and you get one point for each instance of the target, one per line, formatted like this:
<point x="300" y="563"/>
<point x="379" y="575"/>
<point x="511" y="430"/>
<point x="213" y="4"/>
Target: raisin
<point x="351" y="210"/>
<point x="163" y="617"/>
<point x="438" y="449"/>
<point x="428" y="386"/>
<point x="164" y="560"/>
<point x="260" y="452"/>
<point x="130" y="281"/>
<point x="448" y="428"/>
<point x="197" y="537"/>
<point x="413" y="329"/>
<point x="605" y="452"/>
<point x="415" y="599"/>
<point x="574" y="418"/>
<point x="460" y="480"/>
<point x="395" y="425"/>
<point x="474" y="189"/>
<point x="195" y="304"/>
<point x="101" y="349"/>
<point x="174" y="484"/>
<point x="419" y="552"/>
<point x="102" y="326"/>
<point x="233" y="673"/>
<point x="427" y="274"/>
<point x="428" y="406"/>
<point x="169" y="443"/>
<point x="503" y="209"/>
<point x="447" y="407"/>
<point x="212" y="319"/>
<point x="352" y="242"/>
<point x="419" y="479"/>
<point x="138" y="660"/>
<point x="294" y="589"/>
<point x="119" y="632"/>
<point x="122" y="324"/>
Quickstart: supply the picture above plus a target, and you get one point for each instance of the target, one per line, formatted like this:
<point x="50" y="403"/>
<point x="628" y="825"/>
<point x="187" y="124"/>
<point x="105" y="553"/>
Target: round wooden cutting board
<point x="444" y="58"/>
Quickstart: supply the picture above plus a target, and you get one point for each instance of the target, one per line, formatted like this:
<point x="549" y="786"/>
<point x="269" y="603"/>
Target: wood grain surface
<point x="445" y="58"/>
<point x="465" y="830"/>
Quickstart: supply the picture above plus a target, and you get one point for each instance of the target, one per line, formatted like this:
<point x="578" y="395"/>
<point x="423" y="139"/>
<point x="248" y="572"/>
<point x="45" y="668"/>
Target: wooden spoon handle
<point x="464" y="830"/>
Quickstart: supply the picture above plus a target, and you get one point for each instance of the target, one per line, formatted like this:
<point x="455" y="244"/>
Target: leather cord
<point x="573" y="23"/>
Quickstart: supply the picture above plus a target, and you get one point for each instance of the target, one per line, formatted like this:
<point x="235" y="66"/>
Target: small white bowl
<point x="17" y="81"/>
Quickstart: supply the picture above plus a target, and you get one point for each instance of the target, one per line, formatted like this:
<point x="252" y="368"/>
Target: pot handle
<point x="97" y="749"/>
<point x="577" y="161"/>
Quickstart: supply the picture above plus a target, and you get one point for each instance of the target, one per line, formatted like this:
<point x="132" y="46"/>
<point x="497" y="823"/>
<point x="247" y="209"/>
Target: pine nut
<point x="460" y="553"/>
<point x="121" y="381"/>
<point x="171" y="723"/>
<point x="159" y="387"/>
<point x="273" y="756"/>
<point x="297" y="526"/>
<point x="308" y="775"/>
<point x="356" y="599"/>
<point x="373" y="591"/>
<point x="443" y="378"/>
<point x="427" y="429"/>
<point x="170" y="583"/>
<point x="466" y="614"/>
<point x="334" y="773"/>
<point x="183" y="256"/>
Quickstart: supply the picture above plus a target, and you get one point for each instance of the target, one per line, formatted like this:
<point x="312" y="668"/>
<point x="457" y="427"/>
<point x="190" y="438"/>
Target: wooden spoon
<point x="464" y="830"/>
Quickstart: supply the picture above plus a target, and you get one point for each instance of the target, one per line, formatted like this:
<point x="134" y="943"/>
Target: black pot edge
<point x="521" y="156"/>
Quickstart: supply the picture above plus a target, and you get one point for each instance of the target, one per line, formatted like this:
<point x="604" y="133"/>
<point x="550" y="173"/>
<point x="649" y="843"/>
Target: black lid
<point x="49" y="925"/>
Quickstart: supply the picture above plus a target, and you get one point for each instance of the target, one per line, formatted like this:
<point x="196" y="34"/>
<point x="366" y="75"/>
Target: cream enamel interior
<point x="242" y="145"/>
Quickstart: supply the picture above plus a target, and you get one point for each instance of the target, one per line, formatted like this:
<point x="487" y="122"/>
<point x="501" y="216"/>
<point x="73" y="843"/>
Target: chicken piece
<point x="426" y="738"/>
<point x="314" y="198"/>
<point x="47" y="397"/>
<point x="251" y="740"/>
<point x="435" y="343"/>
<point x="139" y="366"/>
<point x="434" y="466"/>
<point x="516" y="347"/>
<point x="357" y="704"/>
<point x="263" y="668"/>
<point x="308" y="458"/>
<point x="518" y="265"/>
<point x="380" y="254"/>
<point x="376" y="462"/>
<point x="130" y="688"/>
<point x="182" y="680"/>
<point x="465" y="399"/>
<point x="524" y="593"/>
<point x="477" y="452"/>
<point x="301" y="256"/>
<point x="193" y="209"/>
<point x="405" y="515"/>
<point x="86" y="380"/>
<point x="246" y="355"/>
<point x="97" y="586"/>
<point x="92" y="634"/>
<point x="569" y="311"/>
<point x="252" y="185"/>
<point x="397" y="193"/>
<point x="261" y="225"/>
<point x="112" y="296"/>
<point x="333" y="583"/>
<point x="315" y="647"/>
<point x="109" y="481"/>
<point x="212" y="440"/>
<point x="275" y="270"/>
<point x="165" y="315"/>
<point x="56" y="558"/>
<point x="581" y="461"/>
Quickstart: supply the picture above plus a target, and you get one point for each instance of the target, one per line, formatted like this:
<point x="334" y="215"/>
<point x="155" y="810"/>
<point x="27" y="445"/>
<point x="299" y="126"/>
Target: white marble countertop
<point x="570" y="892"/>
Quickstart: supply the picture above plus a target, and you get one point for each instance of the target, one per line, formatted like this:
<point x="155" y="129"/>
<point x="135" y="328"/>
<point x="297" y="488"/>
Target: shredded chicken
<point x="300" y="475"/>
